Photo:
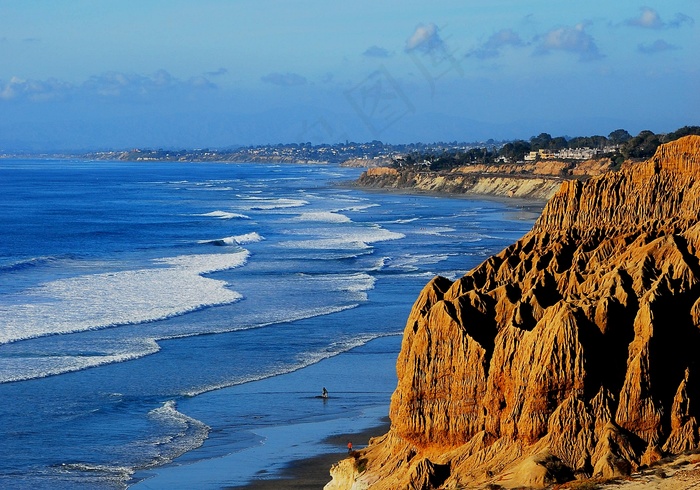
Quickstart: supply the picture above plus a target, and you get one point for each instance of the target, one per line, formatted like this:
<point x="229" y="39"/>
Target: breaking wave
<point x="108" y="299"/>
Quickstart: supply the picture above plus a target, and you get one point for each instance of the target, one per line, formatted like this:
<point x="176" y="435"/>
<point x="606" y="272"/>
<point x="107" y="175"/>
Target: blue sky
<point x="82" y="74"/>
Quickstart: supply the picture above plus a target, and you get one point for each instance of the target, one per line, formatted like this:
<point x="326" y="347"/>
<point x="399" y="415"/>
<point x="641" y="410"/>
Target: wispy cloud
<point x="426" y="39"/>
<point x="34" y="90"/>
<point x="658" y="46"/>
<point x="376" y="52"/>
<point x="217" y="73"/>
<point x="494" y="45"/>
<point x="284" y="79"/>
<point x="118" y="84"/>
<point x="572" y="40"/>
<point x="649" y="18"/>
<point x="201" y="83"/>
<point x="110" y="85"/>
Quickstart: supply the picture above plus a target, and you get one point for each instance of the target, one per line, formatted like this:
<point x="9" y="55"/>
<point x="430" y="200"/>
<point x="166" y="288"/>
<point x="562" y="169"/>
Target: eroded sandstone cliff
<point x="540" y="187"/>
<point x="536" y="180"/>
<point x="572" y="353"/>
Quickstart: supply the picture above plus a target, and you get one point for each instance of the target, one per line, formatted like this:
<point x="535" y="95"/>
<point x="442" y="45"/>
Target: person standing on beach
<point x="349" y="447"/>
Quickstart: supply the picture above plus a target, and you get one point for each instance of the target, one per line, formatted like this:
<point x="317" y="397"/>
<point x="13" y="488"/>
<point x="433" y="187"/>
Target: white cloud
<point x="217" y="73"/>
<point x="658" y="46"/>
<point x="494" y="45"/>
<point x="570" y="39"/>
<point x="649" y="18"/>
<point x="425" y="38"/>
<point x="376" y="52"/>
<point x="106" y="85"/>
<point x="34" y="90"/>
<point x="118" y="84"/>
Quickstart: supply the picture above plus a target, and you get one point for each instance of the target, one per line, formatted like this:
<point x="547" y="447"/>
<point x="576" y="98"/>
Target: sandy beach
<point x="313" y="473"/>
<point x="293" y="453"/>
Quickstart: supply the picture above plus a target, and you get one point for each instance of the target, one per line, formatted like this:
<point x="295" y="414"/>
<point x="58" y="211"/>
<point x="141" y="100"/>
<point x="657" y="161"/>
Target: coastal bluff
<point x="572" y="354"/>
<point x="536" y="180"/>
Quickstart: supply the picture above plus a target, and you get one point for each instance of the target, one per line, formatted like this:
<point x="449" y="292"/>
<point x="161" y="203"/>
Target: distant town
<point x="618" y="145"/>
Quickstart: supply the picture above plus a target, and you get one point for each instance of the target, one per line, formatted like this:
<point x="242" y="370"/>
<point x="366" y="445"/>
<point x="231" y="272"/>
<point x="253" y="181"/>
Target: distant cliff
<point x="531" y="180"/>
<point x="367" y="162"/>
<point x="573" y="353"/>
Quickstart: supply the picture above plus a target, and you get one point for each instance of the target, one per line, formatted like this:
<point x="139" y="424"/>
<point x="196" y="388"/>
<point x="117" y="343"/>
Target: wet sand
<point x="290" y="452"/>
<point x="314" y="473"/>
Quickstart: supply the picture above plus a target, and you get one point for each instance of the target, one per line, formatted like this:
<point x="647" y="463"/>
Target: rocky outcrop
<point x="499" y="185"/>
<point x="542" y="168"/>
<point x="537" y="180"/>
<point x="573" y="353"/>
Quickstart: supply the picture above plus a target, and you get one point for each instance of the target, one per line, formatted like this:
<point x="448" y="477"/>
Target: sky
<point x="119" y="74"/>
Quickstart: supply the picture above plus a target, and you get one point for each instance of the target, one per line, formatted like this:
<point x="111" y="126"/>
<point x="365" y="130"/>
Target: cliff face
<point x="538" y="180"/>
<point x="542" y="168"/>
<point x="488" y="183"/>
<point x="572" y="353"/>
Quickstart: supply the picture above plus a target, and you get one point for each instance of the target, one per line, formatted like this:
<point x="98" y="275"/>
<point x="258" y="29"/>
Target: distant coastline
<point x="538" y="180"/>
<point x="369" y="154"/>
<point x="618" y="146"/>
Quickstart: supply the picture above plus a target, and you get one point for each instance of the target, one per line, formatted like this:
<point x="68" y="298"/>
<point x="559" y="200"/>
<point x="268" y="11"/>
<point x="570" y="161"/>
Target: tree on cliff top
<point x="679" y="133"/>
<point x="619" y="136"/>
<point x="643" y="145"/>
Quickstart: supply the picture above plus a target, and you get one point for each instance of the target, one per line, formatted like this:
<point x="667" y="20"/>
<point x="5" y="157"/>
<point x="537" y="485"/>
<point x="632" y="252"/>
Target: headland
<point x="570" y="356"/>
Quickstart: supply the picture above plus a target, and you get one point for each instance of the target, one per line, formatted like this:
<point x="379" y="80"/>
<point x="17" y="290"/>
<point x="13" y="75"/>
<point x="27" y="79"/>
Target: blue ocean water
<point x="172" y="315"/>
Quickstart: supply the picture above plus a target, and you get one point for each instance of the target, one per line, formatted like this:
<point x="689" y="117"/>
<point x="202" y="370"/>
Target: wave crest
<point x="103" y="300"/>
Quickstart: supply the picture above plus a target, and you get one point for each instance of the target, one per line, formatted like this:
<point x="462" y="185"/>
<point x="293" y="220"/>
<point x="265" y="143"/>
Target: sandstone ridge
<point x="573" y="353"/>
<point x="538" y="180"/>
<point x="487" y="183"/>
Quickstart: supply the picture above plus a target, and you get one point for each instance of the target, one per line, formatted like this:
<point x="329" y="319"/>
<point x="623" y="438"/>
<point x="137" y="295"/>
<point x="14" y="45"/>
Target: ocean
<point x="171" y="325"/>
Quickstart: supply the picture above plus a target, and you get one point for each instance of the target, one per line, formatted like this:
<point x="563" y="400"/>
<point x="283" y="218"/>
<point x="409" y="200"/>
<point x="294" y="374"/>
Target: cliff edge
<point x="538" y="180"/>
<point x="571" y="354"/>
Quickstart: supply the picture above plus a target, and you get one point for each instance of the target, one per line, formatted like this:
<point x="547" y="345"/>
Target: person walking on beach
<point x="349" y="447"/>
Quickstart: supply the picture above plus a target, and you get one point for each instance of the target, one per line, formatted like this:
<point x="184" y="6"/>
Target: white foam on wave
<point x="357" y="284"/>
<point x="103" y="300"/>
<point x="434" y="230"/>
<point x="303" y="360"/>
<point x="26" y="263"/>
<point x="28" y="366"/>
<point x="382" y="263"/>
<point x="325" y="244"/>
<point x="224" y="215"/>
<point x="341" y="346"/>
<point x="183" y="433"/>
<point x="272" y="318"/>
<point x="356" y="238"/>
<point x="402" y="221"/>
<point x="266" y="204"/>
<point x="98" y="474"/>
<point x="323" y="216"/>
<point x="357" y="208"/>
<point x="206" y="263"/>
<point x="253" y="237"/>
<point x="410" y="262"/>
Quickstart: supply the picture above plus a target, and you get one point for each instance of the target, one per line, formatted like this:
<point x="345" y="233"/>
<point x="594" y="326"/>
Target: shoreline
<point x="524" y="208"/>
<point x="412" y="190"/>
<point x="295" y="451"/>
<point x="314" y="472"/>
